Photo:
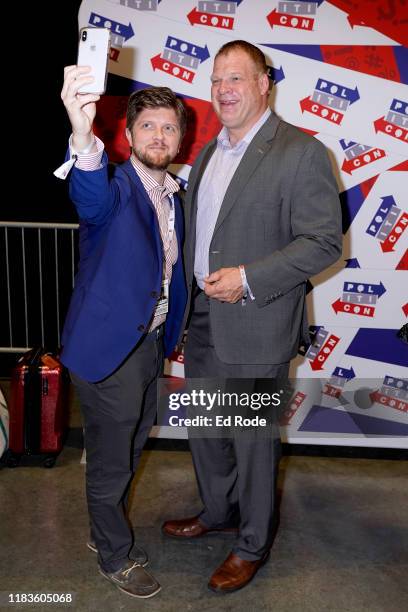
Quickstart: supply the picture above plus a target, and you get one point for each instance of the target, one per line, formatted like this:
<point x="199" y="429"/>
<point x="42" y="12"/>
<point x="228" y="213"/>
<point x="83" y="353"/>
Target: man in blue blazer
<point x="127" y="307"/>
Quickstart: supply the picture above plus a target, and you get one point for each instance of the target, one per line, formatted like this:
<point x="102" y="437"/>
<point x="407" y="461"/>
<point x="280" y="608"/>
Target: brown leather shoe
<point x="234" y="573"/>
<point x="190" y="528"/>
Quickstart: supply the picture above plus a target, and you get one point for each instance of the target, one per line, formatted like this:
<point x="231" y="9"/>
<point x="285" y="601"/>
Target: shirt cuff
<point x="83" y="161"/>
<point x="88" y="161"/>
<point x="246" y="287"/>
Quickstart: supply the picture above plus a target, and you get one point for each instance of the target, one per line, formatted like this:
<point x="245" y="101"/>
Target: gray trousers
<point x="118" y="413"/>
<point x="237" y="476"/>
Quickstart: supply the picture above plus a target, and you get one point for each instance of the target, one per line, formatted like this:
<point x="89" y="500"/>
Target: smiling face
<point x="239" y="92"/>
<point x="155" y="137"/>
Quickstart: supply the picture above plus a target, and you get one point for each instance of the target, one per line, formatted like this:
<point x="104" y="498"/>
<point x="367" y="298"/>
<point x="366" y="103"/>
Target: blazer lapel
<point x="257" y="149"/>
<point x="135" y="181"/>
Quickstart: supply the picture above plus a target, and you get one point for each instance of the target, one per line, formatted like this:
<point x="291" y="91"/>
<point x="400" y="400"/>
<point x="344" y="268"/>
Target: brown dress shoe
<point x="190" y="528"/>
<point x="234" y="573"/>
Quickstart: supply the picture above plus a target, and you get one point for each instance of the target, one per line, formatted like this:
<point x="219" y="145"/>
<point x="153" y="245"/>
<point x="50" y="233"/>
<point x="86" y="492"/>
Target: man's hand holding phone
<point x="85" y="83"/>
<point x="81" y="108"/>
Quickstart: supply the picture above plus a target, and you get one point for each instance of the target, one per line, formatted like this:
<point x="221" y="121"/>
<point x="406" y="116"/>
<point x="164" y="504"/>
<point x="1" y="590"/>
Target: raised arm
<point x="81" y="108"/>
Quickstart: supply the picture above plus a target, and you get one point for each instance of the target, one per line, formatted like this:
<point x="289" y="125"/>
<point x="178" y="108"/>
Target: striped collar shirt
<point x="213" y="186"/>
<point x="169" y="187"/>
<point x="162" y="199"/>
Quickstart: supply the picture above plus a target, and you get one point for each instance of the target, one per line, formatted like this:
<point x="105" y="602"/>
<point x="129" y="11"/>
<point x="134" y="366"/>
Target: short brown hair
<point x="155" y="97"/>
<point x="254" y="53"/>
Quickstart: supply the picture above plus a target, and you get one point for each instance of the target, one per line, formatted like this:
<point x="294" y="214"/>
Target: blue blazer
<point x="120" y="271"/>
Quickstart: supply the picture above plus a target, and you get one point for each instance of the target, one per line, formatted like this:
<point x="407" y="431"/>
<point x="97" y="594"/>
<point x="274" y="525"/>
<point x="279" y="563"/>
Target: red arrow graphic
<point x="173" y="69"/>
<point x="329" y="114"/>
<point x="156" y="61"/>
<point x="349" y="165"/>
<point x="290" y="21"/>
<point x="361" y="310"/>
<point x="388" y="400"/>
<point x="380" y="125"/>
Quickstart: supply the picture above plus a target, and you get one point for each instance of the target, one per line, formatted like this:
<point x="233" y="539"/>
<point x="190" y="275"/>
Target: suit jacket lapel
<point x="128" y="168"/>
<point x="257" y="149"/>
<point x="135" y="180"/>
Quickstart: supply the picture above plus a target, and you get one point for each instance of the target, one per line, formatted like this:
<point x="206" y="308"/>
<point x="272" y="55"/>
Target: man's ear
<point x="264" y="84"/>
<point x="128" y="137"/>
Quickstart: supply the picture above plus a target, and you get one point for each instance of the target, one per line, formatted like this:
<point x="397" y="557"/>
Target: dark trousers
<point x="118" y="414"/>
<point x="237" y="476"/>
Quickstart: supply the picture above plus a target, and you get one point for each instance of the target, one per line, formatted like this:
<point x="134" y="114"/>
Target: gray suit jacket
<point x="281" y="219"/>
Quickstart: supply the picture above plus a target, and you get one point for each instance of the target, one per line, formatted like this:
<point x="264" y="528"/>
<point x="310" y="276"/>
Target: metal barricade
<point x="37" y="269"/>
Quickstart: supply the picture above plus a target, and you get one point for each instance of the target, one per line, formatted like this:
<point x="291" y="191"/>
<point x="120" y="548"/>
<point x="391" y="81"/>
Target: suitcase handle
<point x="32" y="358"/>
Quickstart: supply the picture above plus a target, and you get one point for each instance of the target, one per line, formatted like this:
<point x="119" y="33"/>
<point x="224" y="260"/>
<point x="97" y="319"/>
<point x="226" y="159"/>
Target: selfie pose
<point x="127" y="306"/>
<point x="262" y="216"/>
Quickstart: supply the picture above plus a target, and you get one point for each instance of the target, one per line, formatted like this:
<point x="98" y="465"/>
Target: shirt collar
<point x="169" y="186"/>
<point x="223" y="138"/>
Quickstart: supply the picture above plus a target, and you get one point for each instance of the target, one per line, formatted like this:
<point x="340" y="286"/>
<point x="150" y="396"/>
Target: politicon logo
<point x="323" y="345"/>
<point x="359" y="299"/>
<point x="215" y="14"/>
<point x="330" y="101"/>
<point x="388" y="224"/>
<point x="180" y="58"/>
<point x="139" y="5"/>
<point x="298" y="15"/>
<point x="335" y="385"/>
<point x="395" y="122"/>
<point x="393" y="393"/>
<point x="357" y="155"/>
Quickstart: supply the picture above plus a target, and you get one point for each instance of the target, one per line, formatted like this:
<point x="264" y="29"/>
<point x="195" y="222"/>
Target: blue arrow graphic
<point x="318" y="2"/>
<point x="352" y="263"/>
<point x="114" y="26"/>
<point x="346" y="144"/>
<point x="344" y="372"/>
<point x="388" y="201"/>
<point x="338" y="90"/>
<point x="276" y="74"/>
<point x="356" y="287"/>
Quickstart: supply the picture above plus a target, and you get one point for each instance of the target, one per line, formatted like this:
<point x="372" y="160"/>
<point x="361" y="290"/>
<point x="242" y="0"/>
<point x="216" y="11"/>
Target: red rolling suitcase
<point x="38" y="407"/>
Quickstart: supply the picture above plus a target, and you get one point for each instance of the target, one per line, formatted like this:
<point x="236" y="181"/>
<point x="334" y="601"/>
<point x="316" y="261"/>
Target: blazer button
<point x="154" y="294"/>
<point x="141" y="327"/>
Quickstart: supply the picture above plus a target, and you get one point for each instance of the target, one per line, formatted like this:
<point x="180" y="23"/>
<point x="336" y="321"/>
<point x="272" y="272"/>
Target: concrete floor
<point x="342" y="545"/>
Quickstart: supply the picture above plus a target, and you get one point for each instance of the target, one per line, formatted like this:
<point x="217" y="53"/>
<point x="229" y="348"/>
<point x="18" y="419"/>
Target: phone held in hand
<point x="93" y="51"/>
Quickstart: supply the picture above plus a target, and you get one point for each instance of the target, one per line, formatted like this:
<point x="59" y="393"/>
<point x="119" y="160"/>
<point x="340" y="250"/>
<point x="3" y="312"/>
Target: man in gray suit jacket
<point x="262" y="216"/>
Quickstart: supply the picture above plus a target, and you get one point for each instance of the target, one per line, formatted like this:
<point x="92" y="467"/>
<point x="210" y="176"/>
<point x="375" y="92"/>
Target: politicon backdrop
<point x="340" y="73"/>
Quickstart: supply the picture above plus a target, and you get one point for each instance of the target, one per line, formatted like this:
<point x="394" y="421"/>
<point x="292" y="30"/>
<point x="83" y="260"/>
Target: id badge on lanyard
<point x="163" y="303"/>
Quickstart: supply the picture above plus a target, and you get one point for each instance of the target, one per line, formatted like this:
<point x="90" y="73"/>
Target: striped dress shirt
<point x="162" y="199"/>
<point x="213" y="186"/>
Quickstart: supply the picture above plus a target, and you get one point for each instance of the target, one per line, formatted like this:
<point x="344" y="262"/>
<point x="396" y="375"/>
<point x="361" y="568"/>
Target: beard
<point x="155" y="160"/>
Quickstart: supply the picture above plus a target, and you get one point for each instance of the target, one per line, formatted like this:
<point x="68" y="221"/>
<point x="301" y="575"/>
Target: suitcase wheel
<point x="49" y="461"/>
<point x="12" y="460"/>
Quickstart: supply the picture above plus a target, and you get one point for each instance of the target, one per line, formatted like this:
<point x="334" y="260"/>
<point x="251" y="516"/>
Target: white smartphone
<point x="93" y="50"/>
